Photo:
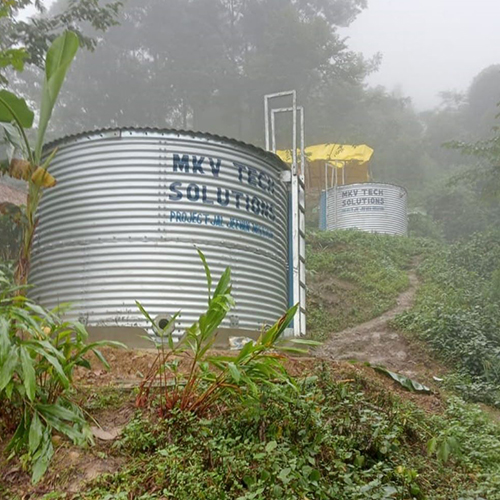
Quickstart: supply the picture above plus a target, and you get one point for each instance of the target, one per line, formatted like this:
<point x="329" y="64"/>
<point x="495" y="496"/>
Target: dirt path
<point x="375" y="342"/>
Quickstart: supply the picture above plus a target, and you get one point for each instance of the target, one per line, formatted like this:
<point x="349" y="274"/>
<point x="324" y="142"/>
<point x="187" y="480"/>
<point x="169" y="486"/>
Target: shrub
<point x="423" y="226"/>
<point x="322" y="439"/>
<point x="457" y="313"/>
<point x="318" y="440"/>
<point x="38" y="354"/>
<point x="354" y="276"/>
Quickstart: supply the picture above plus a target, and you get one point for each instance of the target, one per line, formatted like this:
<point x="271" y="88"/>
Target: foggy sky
<point x="428" y="45"/>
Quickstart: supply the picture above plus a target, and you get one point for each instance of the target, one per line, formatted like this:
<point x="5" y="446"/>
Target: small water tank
<point x="370" y="207"/>
<point x="128" y="212"/>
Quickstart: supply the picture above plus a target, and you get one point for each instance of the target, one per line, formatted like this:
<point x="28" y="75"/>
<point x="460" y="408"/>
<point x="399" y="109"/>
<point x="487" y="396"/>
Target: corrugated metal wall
<point x="128" y="211"/>
<point x="371" y="207"/>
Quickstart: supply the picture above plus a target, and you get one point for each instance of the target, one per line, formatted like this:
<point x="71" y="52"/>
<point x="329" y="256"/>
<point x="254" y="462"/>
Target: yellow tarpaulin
<point x="351" y="163"/>
<point x="332" y="152"/>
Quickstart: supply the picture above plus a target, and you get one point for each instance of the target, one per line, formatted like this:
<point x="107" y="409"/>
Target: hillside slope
<point x="343" y="431"/>
<point x="377" y="342"/>
<point x="457" y="313"/>
<point x="354" y="277"/>
<point x="453" y="313"/>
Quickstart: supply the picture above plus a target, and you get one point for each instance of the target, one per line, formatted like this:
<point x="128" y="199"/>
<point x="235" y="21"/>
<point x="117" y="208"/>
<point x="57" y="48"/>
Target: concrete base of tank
<point x="137" y="338"/>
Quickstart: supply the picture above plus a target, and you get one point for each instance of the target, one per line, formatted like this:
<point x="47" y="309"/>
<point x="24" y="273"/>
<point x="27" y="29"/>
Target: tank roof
<point x="255" y="150"/>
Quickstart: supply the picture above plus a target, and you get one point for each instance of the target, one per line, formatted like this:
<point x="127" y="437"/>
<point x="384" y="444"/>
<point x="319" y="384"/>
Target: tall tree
<point x="466" y="117"/>
<point x="482" y="97"/>
<point x="206" y="64"/>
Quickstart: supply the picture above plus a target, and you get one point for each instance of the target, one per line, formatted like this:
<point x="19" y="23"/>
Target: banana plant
<point x="15" y="118"/>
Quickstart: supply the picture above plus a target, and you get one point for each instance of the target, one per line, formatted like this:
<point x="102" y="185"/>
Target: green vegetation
<point x="327" y="439"/>
<point x="421" y="225"/>
<point x="354" y="277"/>
<point x="239" y="427"/>
<point x="28" y="29"/>
<point x="357" y="276"/>
<point x="38" y="355"/>
<point x="457" y="313"/>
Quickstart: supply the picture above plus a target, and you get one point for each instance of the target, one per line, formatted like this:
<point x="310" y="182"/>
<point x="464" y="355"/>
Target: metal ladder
<point x="298" y="203"/>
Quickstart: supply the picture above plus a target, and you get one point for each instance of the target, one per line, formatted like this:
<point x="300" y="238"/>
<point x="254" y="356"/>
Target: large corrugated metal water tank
<point x="129" y="210"/>
<point x="370" y="207"/>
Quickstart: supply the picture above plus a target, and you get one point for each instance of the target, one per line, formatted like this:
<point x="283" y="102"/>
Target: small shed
<point x="333" y="164"/>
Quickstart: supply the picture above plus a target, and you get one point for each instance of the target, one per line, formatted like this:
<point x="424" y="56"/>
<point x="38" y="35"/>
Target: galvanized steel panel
<point x="371" y="207"/>
<point x="131" y="207"/>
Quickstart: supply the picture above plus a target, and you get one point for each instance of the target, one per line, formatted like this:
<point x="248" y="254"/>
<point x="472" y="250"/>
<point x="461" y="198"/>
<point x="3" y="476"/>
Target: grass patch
<point x="106" y="398"/>
<point x="354" y="277"/>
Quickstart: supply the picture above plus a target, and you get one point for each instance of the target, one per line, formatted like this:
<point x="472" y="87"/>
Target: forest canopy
<point x="206" y="65"/>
